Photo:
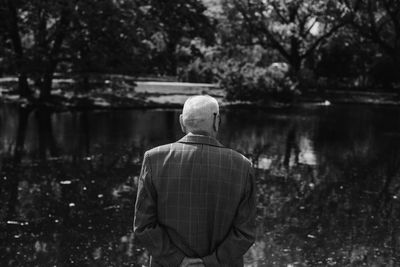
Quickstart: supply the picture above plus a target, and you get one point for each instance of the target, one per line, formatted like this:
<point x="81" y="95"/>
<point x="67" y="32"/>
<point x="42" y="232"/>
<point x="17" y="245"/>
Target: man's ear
<point x="216" y="121"/>
<point x="181" y="123"/>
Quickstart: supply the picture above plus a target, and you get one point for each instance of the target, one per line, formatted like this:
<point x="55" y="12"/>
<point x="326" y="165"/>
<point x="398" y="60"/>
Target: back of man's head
<point x="199" y="115"/>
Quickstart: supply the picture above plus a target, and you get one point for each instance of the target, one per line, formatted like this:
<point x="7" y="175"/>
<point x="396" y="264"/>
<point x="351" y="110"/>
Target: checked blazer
<point x="196" y="198"/>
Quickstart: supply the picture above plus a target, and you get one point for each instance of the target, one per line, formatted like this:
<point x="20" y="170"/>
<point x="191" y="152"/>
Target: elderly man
<point x="195" y="204"/>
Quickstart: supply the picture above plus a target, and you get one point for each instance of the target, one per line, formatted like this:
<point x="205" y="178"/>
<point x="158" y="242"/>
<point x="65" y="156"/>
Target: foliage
<point x="378" y="22"/>
<point x="248" y="73"/>
<point x="176" y="24"/>
<point x="335" y="44"/>
<point x="44" y="34"/>
<point x="342" y="63"/>
<point x="252" y="83"/>
<point x="109" y="36"/>
<point x="204" y="63"/>
<point x="293" y="28"/>
<point x="328" y="44"/>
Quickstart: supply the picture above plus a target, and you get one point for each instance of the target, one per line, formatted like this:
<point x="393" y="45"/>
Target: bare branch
<point x="309" y="28"/>
<point x="278" y="12"/>
<point x="323" y="37"/>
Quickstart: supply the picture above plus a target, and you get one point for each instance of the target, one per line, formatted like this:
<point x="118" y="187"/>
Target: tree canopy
<point x="342" y="41"/>
<point x="112" y="36"/>
<point x="293" y="28"/>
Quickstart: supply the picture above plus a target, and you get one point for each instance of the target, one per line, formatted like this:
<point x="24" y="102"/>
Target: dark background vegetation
<point x="252" y="48"/>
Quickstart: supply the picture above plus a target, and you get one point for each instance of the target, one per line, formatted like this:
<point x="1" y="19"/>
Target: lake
<point x="328" y="181"/>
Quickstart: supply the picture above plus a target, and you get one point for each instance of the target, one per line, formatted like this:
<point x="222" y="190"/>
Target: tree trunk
<point x="47" y="80"/>
<point x="295" y="58"/>
<point x="84" y="85"/>
<point x="13" y="31"/>
<point x="23" y="86"/>
<point x="173" y="64"/>
<point x="55" y="51"/>
<point x="46" y="85"/>
<point x="295" y="66"/>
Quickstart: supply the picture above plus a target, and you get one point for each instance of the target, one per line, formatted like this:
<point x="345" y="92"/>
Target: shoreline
<point x="114" y="95"/>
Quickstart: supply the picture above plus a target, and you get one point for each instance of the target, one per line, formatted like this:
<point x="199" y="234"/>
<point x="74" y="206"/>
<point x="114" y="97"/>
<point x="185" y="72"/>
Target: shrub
<point x="247" y="74"/>
<point x="248" y="82"/>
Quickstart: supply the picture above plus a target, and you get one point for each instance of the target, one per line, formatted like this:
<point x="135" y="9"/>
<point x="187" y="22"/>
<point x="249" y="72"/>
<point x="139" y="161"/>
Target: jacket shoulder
<point x="237" y="156"/>
<point x="159" y="149"/>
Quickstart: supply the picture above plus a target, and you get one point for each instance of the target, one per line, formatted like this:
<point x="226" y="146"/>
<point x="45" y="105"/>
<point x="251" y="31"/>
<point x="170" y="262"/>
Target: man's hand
<point x="192" y="262"/>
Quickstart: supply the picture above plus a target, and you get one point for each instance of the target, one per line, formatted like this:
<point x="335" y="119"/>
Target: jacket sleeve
<point x="146" y="228"/>
<point x="242" y="233"/>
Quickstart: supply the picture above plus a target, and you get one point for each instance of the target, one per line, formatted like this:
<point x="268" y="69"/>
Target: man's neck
<point x="202" y="133"/>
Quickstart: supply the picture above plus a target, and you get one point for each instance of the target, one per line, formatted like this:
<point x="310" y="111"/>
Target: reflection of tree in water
<point x="77" y="211"/>
<point x="291" y="144"/>
<point x="84" y="140"/>
<point x="12" y="163"/>
<point x="343" y="212"/>
<point x="347" y="214"/>
<point x="80" y="208"/>
<point x="10" y="179"/>
<point x="47" y="145"/>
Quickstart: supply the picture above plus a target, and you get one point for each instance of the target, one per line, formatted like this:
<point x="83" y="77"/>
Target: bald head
<point x="198" y="115"/>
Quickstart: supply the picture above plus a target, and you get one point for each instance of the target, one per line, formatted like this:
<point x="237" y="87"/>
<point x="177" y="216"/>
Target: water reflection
<point x="328" y="184"/>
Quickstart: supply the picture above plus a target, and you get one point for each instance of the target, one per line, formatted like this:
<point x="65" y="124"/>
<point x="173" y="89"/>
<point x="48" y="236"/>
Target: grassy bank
<point x="126" y="92"/>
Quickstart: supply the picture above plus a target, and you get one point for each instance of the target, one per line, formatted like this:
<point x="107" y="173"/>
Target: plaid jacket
<point x="195" y="198"/>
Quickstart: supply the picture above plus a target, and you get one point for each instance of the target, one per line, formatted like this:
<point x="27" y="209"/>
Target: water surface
<point x="328" y="182"/>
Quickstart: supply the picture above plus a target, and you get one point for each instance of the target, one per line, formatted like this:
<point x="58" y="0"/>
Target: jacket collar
<point x="200" y="139"/>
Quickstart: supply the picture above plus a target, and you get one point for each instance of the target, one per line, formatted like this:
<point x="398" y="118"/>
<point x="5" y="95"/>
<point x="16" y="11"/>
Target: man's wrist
<point x="211" y="260"/>
<point x="174" y="259"/>
<point x="197" y="262"/>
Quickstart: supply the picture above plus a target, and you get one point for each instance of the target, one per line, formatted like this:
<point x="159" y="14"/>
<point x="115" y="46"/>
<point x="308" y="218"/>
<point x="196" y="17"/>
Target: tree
<point x="379" y="22"/>
<point x="177" y="21"/>
<point x="87" y="36"/>
<point x="112" y="36"/>
<point x="295" y="29"/>
<point x="9" y="10"/>
<point x="109" y="38"/>
<point x="344" y="61"/>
